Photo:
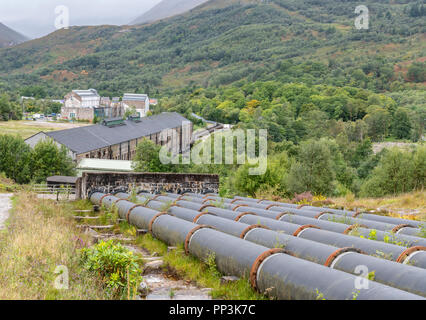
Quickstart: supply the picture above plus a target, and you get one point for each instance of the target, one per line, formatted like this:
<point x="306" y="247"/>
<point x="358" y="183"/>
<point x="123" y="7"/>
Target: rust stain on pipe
<point x="155" y="218"/>
<point x="237" y="219"/>
<point x="406" y="253"/>
<point x="202" y="214"/>
<point x="350" y="228"/>
<point x="206" y="206"/>
<point x="191" y="233"/>
<point x="239" y="206"/>
<point x="131" y="209"/>
<point x="258" y="262"/>
<point x="398" y="227"/>
<point x="249" y="228"/>
<point x="104" y="196"/>
<point x="338" y="252"/>
<point x="307" y="226"/>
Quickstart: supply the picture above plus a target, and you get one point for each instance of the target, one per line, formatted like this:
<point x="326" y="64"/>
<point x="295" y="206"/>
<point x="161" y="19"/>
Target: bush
<point x="313" y="171"/>
<point x="274" y="177"/>
<point x="397" y="172"/>
<point x="417" y="72"/>
<point x="49" y="160"/>
<point x="15" y="159"/>
<point x="305" y="197"/>
<point x="147" y="158"/>
<point x="20" y="163"/>
<point x="116" y="266"/>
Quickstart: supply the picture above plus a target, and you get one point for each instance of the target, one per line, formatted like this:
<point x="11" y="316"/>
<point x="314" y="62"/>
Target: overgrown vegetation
<point x="40" y="237"/>
<point x="325" y="167"/>
<point x="116" y="266"/>
<point x="23" y="164"/>
<point x="390" y="205"/>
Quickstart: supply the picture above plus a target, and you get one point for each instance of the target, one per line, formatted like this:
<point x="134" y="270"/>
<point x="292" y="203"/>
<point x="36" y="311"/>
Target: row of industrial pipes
<point x="286" y="251"/>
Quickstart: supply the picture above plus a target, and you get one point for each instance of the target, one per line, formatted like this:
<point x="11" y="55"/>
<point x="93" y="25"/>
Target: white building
<point x="140" y="102"/>
<point x="83" y="99"/>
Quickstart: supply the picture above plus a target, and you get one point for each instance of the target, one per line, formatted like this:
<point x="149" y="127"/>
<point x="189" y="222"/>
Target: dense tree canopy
<point x="22" y="164"/>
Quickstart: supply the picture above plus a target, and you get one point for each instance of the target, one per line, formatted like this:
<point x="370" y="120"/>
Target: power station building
<point x="117" y="139"/>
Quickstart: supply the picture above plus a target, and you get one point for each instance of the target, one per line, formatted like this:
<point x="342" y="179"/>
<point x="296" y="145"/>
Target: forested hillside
<point x="221" y="42"/>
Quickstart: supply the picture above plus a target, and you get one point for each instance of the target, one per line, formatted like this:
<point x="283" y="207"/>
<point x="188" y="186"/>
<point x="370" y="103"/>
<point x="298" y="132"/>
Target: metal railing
<point x="55" y="190"/>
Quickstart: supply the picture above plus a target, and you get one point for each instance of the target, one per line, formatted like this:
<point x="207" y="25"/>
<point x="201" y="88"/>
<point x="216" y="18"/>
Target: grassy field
<point x="409" y="206"/>
<point x="41" y="236"/>
<point x="26" y="129"/>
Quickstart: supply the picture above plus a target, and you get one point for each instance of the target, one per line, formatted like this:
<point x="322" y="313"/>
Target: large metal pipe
<point x="376" y="221"/>
<point x="363" y="215"/>
<point x="262" y="203"/>
<point x="368" y="216"/>
<point x="311" y="232"/>
<point x="387" y="272"/>
<point x="408" y="278"/>
<point x="277" y="274"/>
<point x="356" y="229"/>
<point x="410" y="228"/>
<point x="400" y="230"/>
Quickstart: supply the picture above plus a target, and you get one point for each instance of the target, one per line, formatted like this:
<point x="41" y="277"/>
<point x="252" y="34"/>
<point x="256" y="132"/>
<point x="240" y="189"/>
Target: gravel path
<point x="5" y="206"/>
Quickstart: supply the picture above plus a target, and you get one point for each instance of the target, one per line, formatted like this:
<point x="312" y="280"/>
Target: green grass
<point x="26" y="129"/>
<point x="8" y="185"/>
<point x="41" y="236"/>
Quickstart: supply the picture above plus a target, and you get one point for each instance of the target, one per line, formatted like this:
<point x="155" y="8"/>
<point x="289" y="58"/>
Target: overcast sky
<point x="36" y="18"/>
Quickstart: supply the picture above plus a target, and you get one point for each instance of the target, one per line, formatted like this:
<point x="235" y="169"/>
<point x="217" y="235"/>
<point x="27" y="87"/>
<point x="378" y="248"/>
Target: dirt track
<point x="5" y="206"/>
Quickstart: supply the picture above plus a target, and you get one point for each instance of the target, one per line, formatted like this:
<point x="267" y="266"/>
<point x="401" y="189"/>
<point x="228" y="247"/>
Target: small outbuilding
<point x="103" y="165"/>
<point x="58" y="181"/>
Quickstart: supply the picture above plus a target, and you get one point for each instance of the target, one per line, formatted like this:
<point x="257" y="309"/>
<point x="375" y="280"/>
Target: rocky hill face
<point x="9" y="37"/>
<point x="167" y="8"/>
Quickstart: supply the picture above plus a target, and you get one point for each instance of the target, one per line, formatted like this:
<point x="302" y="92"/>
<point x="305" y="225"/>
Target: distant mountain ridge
<point x="9" y="37"/>
<point x="166" y="9"/>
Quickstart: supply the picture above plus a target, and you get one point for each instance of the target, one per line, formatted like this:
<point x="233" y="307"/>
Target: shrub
<point x="49" y="160"/>
<point x="116" y="266"/>
<point x="147" y="158"/>
<point x="397" y="172"/>
<point x="15" y="158"/>
<point x="305" y="197"/>
<point x="313" y="171"/>
<point x="274" y="177"/>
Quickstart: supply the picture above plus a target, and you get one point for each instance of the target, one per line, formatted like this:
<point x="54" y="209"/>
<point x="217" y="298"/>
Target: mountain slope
<point x="224" y="41"/>
<point x="167" y="8"/>
<point x="9" y="37"/>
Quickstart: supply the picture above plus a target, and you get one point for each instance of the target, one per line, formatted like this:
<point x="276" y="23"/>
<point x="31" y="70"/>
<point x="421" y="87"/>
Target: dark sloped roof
<point x="62" y="179"/>
<point x="85" y="139"/>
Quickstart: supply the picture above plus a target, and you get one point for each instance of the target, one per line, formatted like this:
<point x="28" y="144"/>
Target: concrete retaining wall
<point x="108" y="182"/>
